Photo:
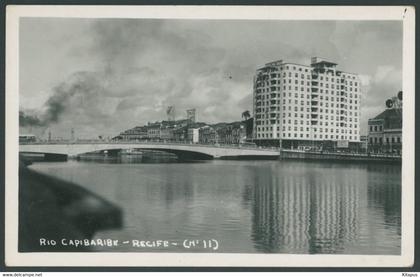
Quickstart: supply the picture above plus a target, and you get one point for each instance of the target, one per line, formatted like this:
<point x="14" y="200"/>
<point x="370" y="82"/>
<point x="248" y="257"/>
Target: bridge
<point x="195" y="151"/>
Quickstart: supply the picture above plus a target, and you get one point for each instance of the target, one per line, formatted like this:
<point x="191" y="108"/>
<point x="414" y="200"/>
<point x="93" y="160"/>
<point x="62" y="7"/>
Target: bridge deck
<point x="216" y="151"/>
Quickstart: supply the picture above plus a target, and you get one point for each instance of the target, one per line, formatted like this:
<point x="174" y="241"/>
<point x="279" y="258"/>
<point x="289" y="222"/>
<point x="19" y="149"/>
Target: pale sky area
<point x="102" y="76"/>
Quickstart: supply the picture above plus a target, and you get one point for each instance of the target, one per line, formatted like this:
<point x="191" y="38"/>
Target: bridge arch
<point x="182" y="154"/>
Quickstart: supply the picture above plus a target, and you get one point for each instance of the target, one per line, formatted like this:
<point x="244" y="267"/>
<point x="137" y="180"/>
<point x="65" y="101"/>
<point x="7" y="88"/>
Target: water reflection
<point x="144" y="156"/>
<point x="320" y="208"/>
<point x="385" y="197"/>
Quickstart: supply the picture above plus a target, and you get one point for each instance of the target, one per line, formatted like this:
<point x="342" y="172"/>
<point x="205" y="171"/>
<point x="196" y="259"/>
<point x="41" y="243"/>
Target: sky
<point x="103" y="76"/>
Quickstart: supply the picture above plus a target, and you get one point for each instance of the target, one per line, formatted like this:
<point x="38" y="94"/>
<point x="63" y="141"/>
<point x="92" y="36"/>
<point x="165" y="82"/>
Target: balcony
<point x="314" y="89"/>
<point x="329" y="70"/>
<point x="314" y="116"/>
<point x="319" y="70"/>
<point x="314" y="102"/>
<point x="314" y="109"/>
<point x="314" y="121"/>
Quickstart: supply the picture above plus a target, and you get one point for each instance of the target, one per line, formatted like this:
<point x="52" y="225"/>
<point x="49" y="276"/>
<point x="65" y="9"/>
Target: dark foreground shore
<point x="51" y="210"/>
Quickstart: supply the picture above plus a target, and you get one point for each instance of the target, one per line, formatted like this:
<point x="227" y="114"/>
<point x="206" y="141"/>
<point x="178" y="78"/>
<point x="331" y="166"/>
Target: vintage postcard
<point x="210" y="136"/>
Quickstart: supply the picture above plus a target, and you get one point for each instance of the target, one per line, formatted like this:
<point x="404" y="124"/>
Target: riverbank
<point x="347" y="157"/>
<point x="51" y="209"/>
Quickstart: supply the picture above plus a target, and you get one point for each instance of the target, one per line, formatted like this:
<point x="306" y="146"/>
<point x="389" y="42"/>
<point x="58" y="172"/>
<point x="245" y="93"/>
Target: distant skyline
<point x="102" y="76"/>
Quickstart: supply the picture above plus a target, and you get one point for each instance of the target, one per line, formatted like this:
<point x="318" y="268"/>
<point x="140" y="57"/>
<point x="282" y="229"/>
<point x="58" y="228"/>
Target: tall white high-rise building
<point x="304" y="106"/>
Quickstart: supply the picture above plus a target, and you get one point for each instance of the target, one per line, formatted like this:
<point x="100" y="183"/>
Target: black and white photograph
<point x="267" y="136"/>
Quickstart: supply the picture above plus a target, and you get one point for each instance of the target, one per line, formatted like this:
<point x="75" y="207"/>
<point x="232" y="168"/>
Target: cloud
<point x="144" y="64"/>
<point x="384" y="83"/>
<point x="119" y="73"/>
<point x="376" y="89"/>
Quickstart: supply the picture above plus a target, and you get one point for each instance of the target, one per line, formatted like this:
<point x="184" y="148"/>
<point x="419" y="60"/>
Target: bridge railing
<point x="384" y="155"/>
<point x="152" y="142"/>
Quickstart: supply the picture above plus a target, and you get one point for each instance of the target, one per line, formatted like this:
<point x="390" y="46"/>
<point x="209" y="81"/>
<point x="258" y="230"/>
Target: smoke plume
<point x="79" y="86"/>
<point x="29" y="120"/>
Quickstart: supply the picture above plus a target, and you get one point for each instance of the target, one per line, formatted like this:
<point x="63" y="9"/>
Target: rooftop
<point x="324" y="63"/>
<point x="321" y="61"/>
<point x="392" y="118"/>
<point x="316" y="63"/>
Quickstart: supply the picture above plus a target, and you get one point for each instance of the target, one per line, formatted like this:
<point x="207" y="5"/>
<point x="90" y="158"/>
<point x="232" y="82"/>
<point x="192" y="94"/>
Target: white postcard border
<point x="14" y="258"/>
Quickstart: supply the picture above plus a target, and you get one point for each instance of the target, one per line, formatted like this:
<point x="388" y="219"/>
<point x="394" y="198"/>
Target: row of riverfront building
<point x="188" y="131"/>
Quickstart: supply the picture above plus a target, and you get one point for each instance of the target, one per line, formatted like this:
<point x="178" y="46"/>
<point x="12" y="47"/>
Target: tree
<point x="246" y="114"/>
<point x="248" y="121"/>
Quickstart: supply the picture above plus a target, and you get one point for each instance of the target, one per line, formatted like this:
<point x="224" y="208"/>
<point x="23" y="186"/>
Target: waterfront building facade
<point x="180" y="134"/>
<point x="249" y="126"/>
<point x="153" y="131"/>
<point x="364" y="143"/>
<point x="193" y="132"/>
<point x="305" y="106"/>
<point x="160" y="131"/>
<point x="193" y="135"/>
<point x="136" y="133"/>
<point x="166" y="133"/>
<point x="385" y="132"/>
<point x="230" y="133"/>
<point x="207" y="135"/>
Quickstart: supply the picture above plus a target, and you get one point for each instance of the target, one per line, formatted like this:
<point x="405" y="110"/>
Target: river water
<point x="249" y="206"/>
